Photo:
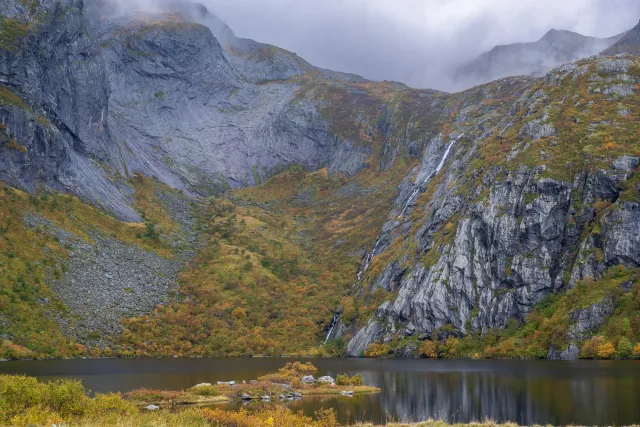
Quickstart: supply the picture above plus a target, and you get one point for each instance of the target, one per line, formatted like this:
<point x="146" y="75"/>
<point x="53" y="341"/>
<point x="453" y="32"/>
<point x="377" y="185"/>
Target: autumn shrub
<point x="428" y="350"/>
<point x="36" y="416"/>
<point x="377" y="350"/>
<point x="606" y="350"/>
<point x="205" y="390"/>
<point x="145" y="395"/>
<point x="489" y="352"/>
<point x="450" y="348"/>
<point x="277" y="417"/>
<point x="346" y="380"/>
<point x="636" y="351"/>
<point x="289" y="372"/>
<point x="24" y="402"/>
<point x="590" y="347"/>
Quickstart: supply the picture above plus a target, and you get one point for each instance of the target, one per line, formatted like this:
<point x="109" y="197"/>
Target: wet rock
<point x="246" y="397"/>
<point x="152" y="408"/>
<point x="347" y="393"/>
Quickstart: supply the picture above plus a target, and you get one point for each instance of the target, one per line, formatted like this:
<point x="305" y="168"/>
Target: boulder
<point x="245" y="396"/>
<point x="347" y="393"/>
<point x="326" y="380"/>
<point x="308" y="379"/>
<point x="152" y="408"/>
<point x="229" y="383"/>
<point x="202" y="385"/>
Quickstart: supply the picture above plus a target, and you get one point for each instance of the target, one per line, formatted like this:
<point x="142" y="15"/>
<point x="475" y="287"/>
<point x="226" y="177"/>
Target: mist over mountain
<point x="629" y="43"/>
<point x="555" y="48"/>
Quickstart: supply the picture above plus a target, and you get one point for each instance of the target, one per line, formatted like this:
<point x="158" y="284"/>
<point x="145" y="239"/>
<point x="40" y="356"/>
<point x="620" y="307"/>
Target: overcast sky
<point x="413" y="41"/>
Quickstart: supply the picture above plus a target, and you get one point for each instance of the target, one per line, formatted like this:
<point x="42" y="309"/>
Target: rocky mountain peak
<point x="629" y="43"/>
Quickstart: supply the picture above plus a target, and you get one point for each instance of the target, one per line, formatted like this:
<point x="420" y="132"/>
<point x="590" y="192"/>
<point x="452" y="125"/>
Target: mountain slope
<point x="333" y="198"/>
<point x="543" y="202"/>
<point x="630" y="43"/>
<point x="555" y="48"/>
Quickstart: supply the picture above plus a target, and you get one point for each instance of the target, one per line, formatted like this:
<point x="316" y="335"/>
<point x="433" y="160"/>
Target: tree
<point x="625" y="348"/>
<point x="636" y="351"/>
<point x="590" y="347"/>
<point x="606" y="350"/>
<point x="451" y="347"/>
<point x="428" y="350"/>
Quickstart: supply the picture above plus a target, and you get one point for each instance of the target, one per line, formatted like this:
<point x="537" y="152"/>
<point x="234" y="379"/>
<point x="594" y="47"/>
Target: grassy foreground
<point x="26" y="402"/>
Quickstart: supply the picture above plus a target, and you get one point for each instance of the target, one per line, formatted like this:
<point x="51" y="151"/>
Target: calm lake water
<point x="526" y="392"/>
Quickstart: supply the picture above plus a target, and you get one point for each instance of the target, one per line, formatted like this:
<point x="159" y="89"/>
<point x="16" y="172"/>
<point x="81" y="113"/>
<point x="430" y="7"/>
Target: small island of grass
<point x="291" y="382"/>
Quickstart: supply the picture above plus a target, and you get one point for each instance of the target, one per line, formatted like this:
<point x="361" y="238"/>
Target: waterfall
<point x="369" y="257"/>
<point x="431" y="175"/>
<point x="334" y="322"/>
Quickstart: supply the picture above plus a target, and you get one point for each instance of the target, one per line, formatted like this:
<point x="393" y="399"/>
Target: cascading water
<point x="369" y="257"/>
<point x="334" y="322"/>
<point x="431" y="175"/>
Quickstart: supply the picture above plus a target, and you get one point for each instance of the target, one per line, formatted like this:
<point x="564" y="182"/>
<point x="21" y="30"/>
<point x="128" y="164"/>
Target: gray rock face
<point x="570" y="353"/>
<point x="590" y="319"/>
<point x="479" y="257"/>
<point x="58" y="107"/>
<point x="100" y="96"/>
<point x="629" y="43"/>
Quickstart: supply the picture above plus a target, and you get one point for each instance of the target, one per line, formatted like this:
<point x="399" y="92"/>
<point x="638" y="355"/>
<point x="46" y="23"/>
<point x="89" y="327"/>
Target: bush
<point x="346" y="380"/>
<point x="24" y="399"/>
<point x="110" y="404"/>
<point x="428" y="350"/>
<point x="606" y="350"/>
<point x="289" y="372"/>
<point x="277" y="417"/>
<point x="636" y="351"/>
<point x="205" y="390"/>
<point x="590" y="347"/>
<point x="145" y="395"/>
<point x="66" y="397"/>
<point x="377" y="350"/>
<point x="625" y="348"/>
<point x="17" y="394"/>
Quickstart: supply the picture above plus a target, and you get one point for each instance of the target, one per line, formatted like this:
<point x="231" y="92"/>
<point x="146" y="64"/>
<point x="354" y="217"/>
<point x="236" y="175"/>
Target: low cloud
<point x="416" y="42"/>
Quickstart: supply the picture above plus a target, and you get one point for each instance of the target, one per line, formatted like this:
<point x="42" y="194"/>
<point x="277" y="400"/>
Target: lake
<point x="526" y="392"/>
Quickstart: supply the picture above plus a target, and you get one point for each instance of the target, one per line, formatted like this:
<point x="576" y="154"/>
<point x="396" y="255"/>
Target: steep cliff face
<point x="524" y="208"/>
<point x="96" y="100"/>
<point x="206" y="117"/>
<point x="54" y="104"/>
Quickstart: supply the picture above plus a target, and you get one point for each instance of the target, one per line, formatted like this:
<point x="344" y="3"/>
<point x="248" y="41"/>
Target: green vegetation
<point x="12" y="32"/>
<point x="272" y="270"/>
<point x="28" y="257"/>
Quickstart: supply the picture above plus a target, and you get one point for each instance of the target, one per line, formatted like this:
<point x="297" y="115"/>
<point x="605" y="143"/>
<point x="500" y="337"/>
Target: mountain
<point x="630" y="43"/>
<point x="555" y="48"/>
<point x="171" y="189"/>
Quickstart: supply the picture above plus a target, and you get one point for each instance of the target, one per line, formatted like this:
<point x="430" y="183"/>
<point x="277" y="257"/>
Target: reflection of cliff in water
<point x="526" y="392"/>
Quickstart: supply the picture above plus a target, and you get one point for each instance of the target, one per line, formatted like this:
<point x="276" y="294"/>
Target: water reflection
<point x="527" y="392"/>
